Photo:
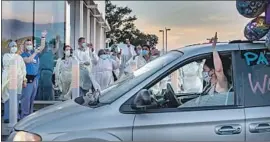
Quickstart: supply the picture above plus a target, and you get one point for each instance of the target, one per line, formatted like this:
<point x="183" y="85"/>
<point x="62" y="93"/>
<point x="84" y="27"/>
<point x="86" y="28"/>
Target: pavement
<point x="37" y="105"/>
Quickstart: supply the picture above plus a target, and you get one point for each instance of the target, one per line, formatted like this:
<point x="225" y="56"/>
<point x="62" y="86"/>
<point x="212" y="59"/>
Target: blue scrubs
<point x="45" y="87"/>
<point x="30" y="91"/>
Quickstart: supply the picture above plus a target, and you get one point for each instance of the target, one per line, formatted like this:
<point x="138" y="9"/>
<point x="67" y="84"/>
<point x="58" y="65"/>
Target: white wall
<point x="101" y="7"/>
<point x="81" y="23"/>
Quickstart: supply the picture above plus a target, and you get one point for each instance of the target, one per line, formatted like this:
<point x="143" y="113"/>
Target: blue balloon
<point x="256" y="29"/>
<point x="251" y="9"/>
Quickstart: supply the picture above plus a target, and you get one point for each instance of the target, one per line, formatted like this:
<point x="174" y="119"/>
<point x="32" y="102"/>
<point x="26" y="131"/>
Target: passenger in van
<point x="213" y="73"/>
<point x="63" y="73"/>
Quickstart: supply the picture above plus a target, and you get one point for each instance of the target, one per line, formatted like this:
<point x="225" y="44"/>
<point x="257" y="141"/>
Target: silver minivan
<point x="147" y="106"/>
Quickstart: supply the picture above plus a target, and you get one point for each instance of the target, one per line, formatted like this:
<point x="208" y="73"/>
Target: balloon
<point x="267" y="41"/>
<point x="256" y="29"/>
<point x="250" y="9"/>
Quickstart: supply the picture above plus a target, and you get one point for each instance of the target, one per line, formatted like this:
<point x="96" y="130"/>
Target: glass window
<point x="119" y="88"/>
<point x="255" y="68"/>
<point x="17" y="22"/>
<point x="190" y="87"/>
<point x="50" y="16"/>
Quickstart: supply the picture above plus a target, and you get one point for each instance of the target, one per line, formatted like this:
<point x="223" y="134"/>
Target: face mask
<point x="67" y="53"/>
<point x="104" y="56"/>
<point x="206" y="77"/>
<point x="145" y="52"/>
<point x="29" y="47"/>
<point x="109" y="56"/>
<point x="84" y="44"/>
<point x="140" y="52"/>
<point x="13" y="49"/>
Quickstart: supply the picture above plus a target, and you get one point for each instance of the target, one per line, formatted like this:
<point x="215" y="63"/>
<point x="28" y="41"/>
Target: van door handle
<point x="228" y="129"/>
<point x="259" y="127"/>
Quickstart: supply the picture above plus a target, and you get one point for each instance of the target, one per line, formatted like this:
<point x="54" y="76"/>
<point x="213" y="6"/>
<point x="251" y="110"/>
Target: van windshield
<point x="121" y="87"/>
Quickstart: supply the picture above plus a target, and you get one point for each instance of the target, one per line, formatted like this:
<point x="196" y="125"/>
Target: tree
<point x="120" y="21"/>
<point x="123" y="27"/>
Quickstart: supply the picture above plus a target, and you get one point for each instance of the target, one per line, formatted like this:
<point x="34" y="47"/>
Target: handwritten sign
<point x="255" y="58"/>
<point x="263" y="86"/>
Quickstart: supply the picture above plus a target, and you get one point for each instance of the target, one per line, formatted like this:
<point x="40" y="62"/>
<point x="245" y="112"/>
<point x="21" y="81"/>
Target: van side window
<point x="194" y="85"/>
<point x="255" y="68"/>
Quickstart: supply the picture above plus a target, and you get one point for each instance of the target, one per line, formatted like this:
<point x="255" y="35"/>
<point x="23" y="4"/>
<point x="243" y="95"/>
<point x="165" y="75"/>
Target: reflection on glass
<point x="17" y="22"/>
<point x="50" y="16"/>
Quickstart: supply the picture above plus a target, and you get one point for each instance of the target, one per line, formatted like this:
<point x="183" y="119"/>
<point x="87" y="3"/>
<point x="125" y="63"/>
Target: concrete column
<point x="98" y="35"/>
<point x="78" y="21"/>
<point x="93" y="22"/>
<point x="72" y="6"/>
<point x="85" y="13"/>
<point x="68" y="28"/>
<point x="81" y="17"/>
<point x="88" y="35"/>
<point x="102" y="45"/>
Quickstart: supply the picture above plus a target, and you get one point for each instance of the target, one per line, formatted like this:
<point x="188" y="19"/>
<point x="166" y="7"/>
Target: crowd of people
<point x="98" y="69"/>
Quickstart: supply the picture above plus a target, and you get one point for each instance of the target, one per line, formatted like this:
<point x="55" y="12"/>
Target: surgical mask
<point x="140" y="52"/>
<point x="206" y="76"/>
<point x="145" y="52"/>
<point x="29" y="47"/>
<point x="13" y="49"/>
<point x="67" y="53"/>
<point x="84" y="44"/>
<point x="109" y="56"/>
<point x="104" y="56"/>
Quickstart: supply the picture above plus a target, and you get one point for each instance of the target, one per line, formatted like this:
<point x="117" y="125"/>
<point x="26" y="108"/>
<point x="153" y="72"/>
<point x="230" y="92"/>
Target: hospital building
<point x="68" y="19"/>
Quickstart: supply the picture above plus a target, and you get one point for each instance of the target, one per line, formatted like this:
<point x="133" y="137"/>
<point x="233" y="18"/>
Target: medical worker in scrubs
<point x="8" y="58"/>
<point x="31" y="59"/>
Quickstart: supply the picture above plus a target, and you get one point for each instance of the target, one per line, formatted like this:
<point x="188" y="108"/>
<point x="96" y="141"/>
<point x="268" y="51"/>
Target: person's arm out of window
<point x="218" y="65"/>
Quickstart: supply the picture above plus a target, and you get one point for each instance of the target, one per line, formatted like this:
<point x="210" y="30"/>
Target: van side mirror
<point x="143" y="101"/>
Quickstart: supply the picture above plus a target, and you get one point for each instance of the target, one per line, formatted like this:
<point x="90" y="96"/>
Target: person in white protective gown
<point x="85" y="54"/>
<point x="139" y="60"/>
<point x="8" y="58"/>
<point x="115" y="55"/>
<point x="102" y="70"/>
<point x="86" y="57"/>
<point x="63" y="73"/>
<point x="127" y="56"/>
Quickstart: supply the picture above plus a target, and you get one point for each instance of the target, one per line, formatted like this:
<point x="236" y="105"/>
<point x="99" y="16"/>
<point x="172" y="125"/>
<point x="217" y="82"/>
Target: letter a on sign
<point x="262" y="59"/>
